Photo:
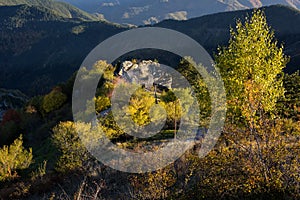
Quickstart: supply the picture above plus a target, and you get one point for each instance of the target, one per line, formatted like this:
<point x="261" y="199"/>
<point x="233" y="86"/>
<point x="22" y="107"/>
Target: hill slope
<point x="11" y="99"/>
<point x="59" y="8"/>
<point x="213" y="30"/>
<point x="39" y="49"/>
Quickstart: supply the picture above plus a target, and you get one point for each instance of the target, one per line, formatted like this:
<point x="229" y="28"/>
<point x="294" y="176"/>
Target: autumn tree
<point x="171" y="104"/>
<point x="178" y="103"/>
<point x="54" y="100"/>
<point x="14" y="157"/>
<point x="289" y="105"/>
<point x="73" y="141"/>
<point x="10" y="115"/>
<point x="139" y="107"/>
<point x="72" y="151"/>
<point x="101" y="67"/>
<point x="251" y="67"/>
<point x="110" y="128"/>
<point x="199" y="86"/>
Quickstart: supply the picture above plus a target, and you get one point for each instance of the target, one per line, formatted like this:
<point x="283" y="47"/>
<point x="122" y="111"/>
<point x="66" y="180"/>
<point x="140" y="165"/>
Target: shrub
<point x="54" y="100"/>
<point x="73" y="153"/>
<point x="11" y="115"/>
<point x="13" y="158"/>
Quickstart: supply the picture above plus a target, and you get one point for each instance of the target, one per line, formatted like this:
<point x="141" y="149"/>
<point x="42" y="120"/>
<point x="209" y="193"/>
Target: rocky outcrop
<point x="146" y="73"/>
<point x="11" y="99"/>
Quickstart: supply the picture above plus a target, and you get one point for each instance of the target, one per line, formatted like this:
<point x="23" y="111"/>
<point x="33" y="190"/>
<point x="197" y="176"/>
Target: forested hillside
<point x="57" y="46"/>
<point x="58" y="8"/>
<point x="212" y="30"/>
<point x="39" y="48"/>
<point x="46" y="154"/>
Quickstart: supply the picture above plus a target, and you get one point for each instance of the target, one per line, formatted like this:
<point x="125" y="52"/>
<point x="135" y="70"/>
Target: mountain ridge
<point x="46" y="50"/>
<point x="287" y="32"/>
<point x="152" y="11"/>
<point x="61" y="9"/>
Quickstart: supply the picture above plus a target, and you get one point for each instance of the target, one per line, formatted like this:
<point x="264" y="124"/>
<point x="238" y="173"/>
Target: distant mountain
<point x="152" y="11"/>
<point x="61" y="9"/>
<point x="39" y="49"/>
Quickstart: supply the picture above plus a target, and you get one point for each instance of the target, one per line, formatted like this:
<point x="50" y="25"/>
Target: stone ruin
<point x="146" y="73"/>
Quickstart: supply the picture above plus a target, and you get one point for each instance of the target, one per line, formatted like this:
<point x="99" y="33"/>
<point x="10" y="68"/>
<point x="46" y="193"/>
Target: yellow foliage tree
<point x="14" y="157"/>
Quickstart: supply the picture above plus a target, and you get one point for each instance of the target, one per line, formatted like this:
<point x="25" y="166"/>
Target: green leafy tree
<point x="139" y="107"/>
<point x="97" y="104"/>
<point x="54" y="100"/>
<point x="187" y="69"/>
<point x="171" y="104"/>
<point x="105" y="87"/>
<point x="251" y="67"/>
<point x="73" y="149"/>
<point x="13" y="158"/>
<point x="73" y="153"/>
<point x="100" y="67"/>
<point x="110" y="128"/>
<point x="261" y="145"/>
<point x="35" y="104"/>
<point x="178" y="104"/>
<point x="173" y="110"/>
<point x="101" y="103"/>
<point x="289" y="105"/>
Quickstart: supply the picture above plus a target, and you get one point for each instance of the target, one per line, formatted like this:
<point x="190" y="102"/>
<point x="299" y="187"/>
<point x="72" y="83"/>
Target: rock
<point x="11" y="99"/>
<point x="146" y="73"/>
